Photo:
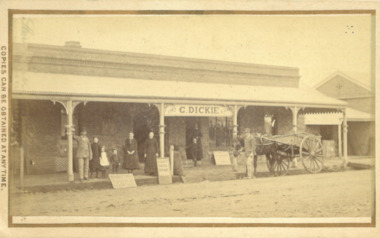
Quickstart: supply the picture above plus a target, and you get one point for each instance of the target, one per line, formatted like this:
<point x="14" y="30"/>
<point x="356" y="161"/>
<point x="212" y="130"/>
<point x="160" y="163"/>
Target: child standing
<point x="114" y="161"/>
<point x="104" y="162"/>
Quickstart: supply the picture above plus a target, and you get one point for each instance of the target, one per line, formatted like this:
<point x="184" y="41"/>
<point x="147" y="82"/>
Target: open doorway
<point x="191" y="123"/>
<point x="145" y="119"/>
<point x="327" y="132"/>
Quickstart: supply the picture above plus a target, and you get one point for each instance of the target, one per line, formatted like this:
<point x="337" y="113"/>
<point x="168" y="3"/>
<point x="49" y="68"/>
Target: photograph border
<point x="13" y="12"/>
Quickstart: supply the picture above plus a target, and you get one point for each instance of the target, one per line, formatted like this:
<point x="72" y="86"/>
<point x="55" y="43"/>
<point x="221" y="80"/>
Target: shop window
<point x="220" y="131"/>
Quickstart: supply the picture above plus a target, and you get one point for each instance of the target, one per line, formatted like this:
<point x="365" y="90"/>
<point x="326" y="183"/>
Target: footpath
<point x="205" y="172"/>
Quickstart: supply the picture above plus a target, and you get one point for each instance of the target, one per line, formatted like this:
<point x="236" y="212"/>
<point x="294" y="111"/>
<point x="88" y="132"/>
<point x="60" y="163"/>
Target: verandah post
<point x="22" y="159"/>
<point x="171" y="156"/>
<point x="235" y="121"/>
<point x="345" y="131"/>
<point x="295" y="115"/>
<point x="294" y="110"/>
<point x="69" y="132"/>
<point x="162" y="130"/>
<point x="340" y="139"/>
<point x="235" y="117"/>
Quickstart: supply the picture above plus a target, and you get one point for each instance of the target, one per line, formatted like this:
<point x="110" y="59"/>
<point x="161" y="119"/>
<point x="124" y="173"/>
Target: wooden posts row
<point x="69" y="106"/>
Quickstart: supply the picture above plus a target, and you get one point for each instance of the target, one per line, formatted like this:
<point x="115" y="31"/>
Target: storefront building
<point x="56" y="90"/>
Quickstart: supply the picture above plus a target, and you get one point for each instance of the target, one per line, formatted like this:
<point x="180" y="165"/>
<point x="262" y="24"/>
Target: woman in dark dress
<point x="131" y="159"/>
<point x="195" y="152"/>
<point x="196" y="133"/>
<point x="95" y="162"/>
<point x="150" y="153"/>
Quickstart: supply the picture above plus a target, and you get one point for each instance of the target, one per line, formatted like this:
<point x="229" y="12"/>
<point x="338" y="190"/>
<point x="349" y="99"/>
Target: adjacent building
<point x="360" y="100"/>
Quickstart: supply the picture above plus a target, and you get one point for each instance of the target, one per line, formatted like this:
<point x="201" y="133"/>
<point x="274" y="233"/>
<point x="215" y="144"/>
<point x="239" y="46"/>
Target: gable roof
<point x="338" y="73"/>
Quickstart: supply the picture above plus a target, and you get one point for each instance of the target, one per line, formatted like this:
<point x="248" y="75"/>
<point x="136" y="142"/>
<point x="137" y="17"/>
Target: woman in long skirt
<point x="195" y="152"/>
<point x="150" y="153"/>
<point x="131" y="159"/>
<point x="95" y="162"/>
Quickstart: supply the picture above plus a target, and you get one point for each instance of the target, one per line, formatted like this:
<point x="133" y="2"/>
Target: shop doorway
<point x="327" y="132"/>
<point x="191" y="123"/>
<point x="145" y="119"/>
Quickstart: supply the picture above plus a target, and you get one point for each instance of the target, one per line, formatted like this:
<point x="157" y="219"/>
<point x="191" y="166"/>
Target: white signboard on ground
<point x="222" y="158"/>
<point x="122" y="180"/>
<point x="198" y="110"/>
<point x="163" y="167"/>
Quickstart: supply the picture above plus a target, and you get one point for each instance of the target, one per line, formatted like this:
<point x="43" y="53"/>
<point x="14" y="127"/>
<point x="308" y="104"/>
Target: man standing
<point x="84" y="154"/>
<point x="250" y="151"/>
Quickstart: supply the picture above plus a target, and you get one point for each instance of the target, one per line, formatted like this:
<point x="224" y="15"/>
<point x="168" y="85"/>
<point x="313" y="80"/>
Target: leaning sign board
<point x="222" y="158"/>
<point x="122" y="180"/>
<point x="163" y="167"/>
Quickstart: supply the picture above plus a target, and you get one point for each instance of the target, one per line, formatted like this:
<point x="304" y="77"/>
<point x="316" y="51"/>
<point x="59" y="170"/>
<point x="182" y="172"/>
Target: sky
<point x="319" y="45"/>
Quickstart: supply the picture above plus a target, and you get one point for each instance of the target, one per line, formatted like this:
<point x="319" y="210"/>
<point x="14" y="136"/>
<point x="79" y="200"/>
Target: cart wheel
<point x="281" y="165"/>
<point x="311" y="154"/>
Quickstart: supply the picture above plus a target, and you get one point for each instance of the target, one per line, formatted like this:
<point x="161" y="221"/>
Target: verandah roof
<point x="90" y="87"/>
<point x="336" y="118"/>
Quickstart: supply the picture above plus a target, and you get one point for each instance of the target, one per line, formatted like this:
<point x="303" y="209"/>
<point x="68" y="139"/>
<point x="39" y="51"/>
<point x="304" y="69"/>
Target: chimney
<point x="73" y="44"/>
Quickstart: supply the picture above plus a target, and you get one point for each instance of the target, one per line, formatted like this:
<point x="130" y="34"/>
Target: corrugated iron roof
<point x="30" y="83"/>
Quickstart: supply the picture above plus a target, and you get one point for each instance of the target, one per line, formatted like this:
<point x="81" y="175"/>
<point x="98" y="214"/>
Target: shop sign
<point x="222" y="158"/>
<point x="163" y="167"/>
<point x="122" y="180"/>
<point x="198" y="110"/>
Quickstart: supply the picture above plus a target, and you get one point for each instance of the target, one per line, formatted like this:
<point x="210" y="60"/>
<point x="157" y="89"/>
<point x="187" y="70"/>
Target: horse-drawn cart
<point x="306" y="146"/>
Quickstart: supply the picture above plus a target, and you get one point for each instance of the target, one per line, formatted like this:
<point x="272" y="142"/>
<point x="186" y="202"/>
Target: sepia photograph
<point x="191" y="118"/>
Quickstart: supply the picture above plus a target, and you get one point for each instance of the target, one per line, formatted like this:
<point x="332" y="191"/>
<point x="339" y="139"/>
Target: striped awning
<point x="336" y="118"/>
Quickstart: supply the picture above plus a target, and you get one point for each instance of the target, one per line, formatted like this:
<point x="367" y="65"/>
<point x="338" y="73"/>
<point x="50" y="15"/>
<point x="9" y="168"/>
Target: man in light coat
<point x="250" y="151"/>
<point x="84" y="154"/>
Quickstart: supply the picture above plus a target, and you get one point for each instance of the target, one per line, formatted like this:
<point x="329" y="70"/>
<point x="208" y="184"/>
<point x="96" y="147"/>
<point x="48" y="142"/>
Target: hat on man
<point x="247" y="130"/>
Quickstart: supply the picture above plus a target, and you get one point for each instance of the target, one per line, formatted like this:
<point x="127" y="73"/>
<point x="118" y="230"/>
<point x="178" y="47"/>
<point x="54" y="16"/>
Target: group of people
<point x="94" y="160"/>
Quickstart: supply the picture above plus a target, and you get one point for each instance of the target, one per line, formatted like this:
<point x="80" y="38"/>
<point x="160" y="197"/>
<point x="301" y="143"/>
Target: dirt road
<point x="343" y="194"/>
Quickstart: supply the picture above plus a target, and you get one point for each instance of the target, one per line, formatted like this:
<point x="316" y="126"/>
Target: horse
<point x="267" y="148"/>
